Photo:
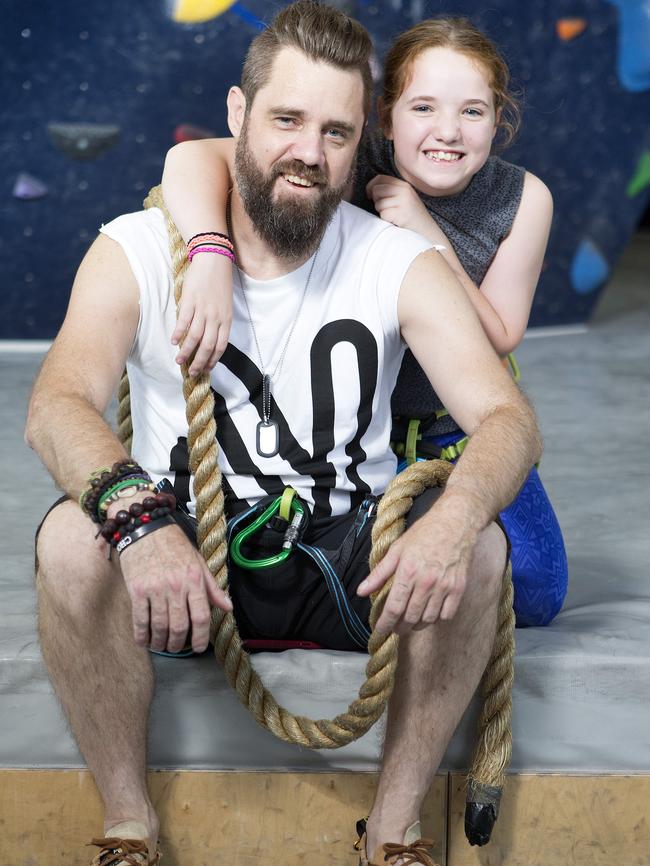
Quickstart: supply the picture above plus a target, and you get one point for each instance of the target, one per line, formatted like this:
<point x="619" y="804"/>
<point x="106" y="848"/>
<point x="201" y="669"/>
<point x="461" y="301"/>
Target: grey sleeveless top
<point x="475" y="221"/>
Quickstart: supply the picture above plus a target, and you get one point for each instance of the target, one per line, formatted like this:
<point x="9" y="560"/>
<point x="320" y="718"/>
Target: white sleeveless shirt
<point x="331" y="395"/>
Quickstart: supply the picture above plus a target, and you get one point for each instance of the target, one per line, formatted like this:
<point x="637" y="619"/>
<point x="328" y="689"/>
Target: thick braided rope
<point x="373" y="695"/>
<point x="202" y="428"/>
<point x="494" y="744"/>
<point x="124" y="425"/>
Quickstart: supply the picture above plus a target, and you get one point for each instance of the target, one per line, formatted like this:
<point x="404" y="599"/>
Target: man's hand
<point x="171" y="589"/>
<point x="430" y="564"/>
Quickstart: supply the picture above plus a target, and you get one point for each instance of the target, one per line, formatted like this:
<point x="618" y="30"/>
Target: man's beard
<point x="290" y="226"/>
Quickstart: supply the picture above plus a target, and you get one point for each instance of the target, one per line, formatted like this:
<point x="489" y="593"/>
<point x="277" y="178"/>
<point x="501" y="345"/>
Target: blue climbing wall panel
<point x="93" y="95"/>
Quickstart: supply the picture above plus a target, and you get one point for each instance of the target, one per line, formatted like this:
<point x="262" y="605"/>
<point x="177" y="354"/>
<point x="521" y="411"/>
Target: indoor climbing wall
<point x="94" y="94"/>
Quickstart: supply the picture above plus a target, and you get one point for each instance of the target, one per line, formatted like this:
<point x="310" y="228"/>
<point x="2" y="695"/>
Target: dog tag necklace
<point x="267" y="437"/>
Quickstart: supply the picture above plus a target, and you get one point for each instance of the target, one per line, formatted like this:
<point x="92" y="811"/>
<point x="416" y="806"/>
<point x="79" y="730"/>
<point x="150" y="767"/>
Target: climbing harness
<point x="288" y="518"/>
<point x="409" y="436"/>
<point x="410" y="445"/>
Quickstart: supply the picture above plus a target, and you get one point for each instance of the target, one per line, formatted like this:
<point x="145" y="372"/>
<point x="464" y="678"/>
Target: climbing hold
<point x="568" y="28"/>
<point x="27" y="187"/>
<point x="589" y="268"/>
<point x="196" y="11"/>
<point x="187" y="132"/>
<point x="247" y="16"/>
<point x="83" y="140"/>
<point x="641" y="177"/>
<point x="633" y="40"/>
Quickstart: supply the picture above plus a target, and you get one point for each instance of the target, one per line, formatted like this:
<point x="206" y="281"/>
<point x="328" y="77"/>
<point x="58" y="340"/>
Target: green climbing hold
<point x="642" y="177"/>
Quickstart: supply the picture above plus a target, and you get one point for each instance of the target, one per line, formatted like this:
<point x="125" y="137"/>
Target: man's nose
<point x="308" y="147"/>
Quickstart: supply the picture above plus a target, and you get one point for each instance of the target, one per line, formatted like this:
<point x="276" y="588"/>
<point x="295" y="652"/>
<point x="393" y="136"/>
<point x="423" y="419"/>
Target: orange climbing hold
<point x="568" y="28"/>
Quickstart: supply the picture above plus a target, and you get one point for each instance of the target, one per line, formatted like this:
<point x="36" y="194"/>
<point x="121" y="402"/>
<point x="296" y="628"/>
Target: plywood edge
<point x="243" y="818"/>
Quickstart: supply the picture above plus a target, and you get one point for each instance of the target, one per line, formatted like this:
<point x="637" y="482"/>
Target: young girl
<point x="429" y="169"/>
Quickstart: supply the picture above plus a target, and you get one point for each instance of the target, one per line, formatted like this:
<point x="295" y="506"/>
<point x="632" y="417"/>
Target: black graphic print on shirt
<point x="316" y="466"/>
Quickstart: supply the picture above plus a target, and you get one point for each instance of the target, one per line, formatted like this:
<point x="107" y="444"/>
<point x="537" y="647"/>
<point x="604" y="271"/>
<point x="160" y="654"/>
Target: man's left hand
<point x="429" y="566"/>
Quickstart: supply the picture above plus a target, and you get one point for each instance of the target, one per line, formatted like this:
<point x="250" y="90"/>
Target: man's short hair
<point x="321" y="33"/>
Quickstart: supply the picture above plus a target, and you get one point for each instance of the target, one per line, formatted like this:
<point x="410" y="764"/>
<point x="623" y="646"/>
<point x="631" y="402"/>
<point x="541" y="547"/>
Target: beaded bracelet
<point x="102" y="479"/>
<point x="150" y="510"/>
<point x="209" y="246"/>
<point x="209" y="235"/>
<point x="210" y="241"/>
<point x="222" y="251"/>
<point x="141" y="531"/>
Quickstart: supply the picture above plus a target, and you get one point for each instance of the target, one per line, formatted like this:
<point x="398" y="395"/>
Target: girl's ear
<point x="236" y="103"/>
<point x="384" y="119"/>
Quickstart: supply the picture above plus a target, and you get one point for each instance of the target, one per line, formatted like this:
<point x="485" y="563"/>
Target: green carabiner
<point x="235" y="545"/>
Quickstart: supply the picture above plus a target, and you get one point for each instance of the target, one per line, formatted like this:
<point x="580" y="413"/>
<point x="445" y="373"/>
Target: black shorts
<point x="295" y="601"/>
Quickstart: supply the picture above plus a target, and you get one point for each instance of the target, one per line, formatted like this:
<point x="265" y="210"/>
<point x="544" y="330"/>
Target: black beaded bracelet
<point x="208" y="234"/>
<point x="124" y="522"/>
<point x="141" y="531"/>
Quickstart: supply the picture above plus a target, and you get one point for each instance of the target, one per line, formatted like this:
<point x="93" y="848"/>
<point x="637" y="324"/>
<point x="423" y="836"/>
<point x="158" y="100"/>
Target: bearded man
<point x="326" y="299"/>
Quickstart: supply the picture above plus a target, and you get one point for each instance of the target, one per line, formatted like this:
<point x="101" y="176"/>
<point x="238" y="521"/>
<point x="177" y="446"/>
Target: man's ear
<point x="236" y="103"/>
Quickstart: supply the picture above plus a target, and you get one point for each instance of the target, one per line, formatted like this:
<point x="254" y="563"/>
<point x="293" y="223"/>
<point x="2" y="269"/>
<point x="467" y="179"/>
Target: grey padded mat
<point x="582" y="691"/>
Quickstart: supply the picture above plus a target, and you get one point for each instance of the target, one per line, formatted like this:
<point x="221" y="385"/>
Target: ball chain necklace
<point x="267" y="438"/>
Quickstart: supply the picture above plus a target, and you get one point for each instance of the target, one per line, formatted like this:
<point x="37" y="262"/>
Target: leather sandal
<point x="413" y="850"/>
<point x="125" y="846"/>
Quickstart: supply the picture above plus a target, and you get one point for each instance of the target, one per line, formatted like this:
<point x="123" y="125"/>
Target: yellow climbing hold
<point x="195" y="11"/>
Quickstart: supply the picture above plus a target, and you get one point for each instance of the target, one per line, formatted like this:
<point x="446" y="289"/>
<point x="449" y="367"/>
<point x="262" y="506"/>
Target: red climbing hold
<point x="187" y="132"/>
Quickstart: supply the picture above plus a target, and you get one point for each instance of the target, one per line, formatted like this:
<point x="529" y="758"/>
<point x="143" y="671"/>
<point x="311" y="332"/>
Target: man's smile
<point x="295" y="180"/>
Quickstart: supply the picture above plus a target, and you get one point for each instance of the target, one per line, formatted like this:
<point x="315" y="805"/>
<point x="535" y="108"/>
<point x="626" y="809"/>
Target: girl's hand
<point x="205" y="313"/>
<point x="397" y="202"/>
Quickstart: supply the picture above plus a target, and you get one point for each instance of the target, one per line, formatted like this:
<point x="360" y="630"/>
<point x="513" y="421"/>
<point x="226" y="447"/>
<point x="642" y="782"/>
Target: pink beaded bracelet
<point x="221" y="251"/>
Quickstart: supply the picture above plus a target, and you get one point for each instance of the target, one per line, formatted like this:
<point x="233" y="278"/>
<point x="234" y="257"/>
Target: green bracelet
<point x="140" y="483"/>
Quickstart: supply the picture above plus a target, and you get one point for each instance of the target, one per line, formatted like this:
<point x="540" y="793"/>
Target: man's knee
<point x="488" y="563"/>
<point x="70" y="561"/>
